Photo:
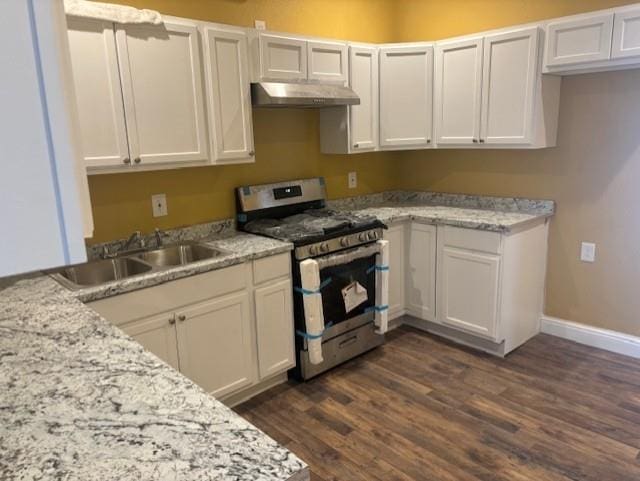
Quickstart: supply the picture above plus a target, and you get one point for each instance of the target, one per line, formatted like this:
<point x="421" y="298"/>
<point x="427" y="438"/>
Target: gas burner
<point x="295" y="212"/>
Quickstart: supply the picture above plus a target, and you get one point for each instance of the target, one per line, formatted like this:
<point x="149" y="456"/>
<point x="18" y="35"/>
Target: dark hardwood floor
<point x="421" y="408"/>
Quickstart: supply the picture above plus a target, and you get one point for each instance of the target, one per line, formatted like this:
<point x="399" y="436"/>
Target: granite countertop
<point x="497" y="214"/>
<point x="80" y="400"/>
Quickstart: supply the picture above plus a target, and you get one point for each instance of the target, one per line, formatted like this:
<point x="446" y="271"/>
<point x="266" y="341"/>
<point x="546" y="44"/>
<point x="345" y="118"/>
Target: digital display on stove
<point x="287" y="192"/>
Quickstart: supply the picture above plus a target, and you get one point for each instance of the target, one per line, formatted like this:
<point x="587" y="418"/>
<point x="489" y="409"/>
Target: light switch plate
<point x="353" y="180"/>
<point x="159" y="205"/>
<point x="588" y="252"/>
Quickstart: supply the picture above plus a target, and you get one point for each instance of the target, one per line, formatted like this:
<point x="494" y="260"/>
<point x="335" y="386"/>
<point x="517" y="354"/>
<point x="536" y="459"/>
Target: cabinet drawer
<point x="171" y="295"/>
<point x="272" y="267"/>
<point x="476" y="240"/>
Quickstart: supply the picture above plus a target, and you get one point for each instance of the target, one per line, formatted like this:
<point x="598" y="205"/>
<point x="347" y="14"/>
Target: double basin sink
<point x="102" y="271"/>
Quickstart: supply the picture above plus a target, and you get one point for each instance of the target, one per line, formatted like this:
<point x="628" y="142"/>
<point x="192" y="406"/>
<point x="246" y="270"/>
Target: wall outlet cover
<point x="260" y="24"/>
<point x="159" y="205"/>
<point x="353" y="180"/>
<point x="588" y="252"/>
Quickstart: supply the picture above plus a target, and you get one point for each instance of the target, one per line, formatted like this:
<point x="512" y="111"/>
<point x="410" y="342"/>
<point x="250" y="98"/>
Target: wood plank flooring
<point x="422" y="408"/>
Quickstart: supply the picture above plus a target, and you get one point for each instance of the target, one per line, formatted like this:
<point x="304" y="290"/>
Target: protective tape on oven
<point x="308" y="292"/>
<point x="314" y="336"/>
<point x="377" y="308"/>
<point x="377" y="268"/>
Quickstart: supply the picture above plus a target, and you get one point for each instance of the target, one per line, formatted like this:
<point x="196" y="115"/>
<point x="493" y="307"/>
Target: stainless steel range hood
<point x="306" y="95"/>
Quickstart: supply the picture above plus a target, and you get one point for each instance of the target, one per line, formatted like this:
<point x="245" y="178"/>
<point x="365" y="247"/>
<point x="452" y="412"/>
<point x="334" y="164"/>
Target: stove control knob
<point x="313" y="250"/>
<point x="324" y="247"/>
<point x="362" y="237"/>
<point x="344" y="242"/>
<point x="373" y="235"/>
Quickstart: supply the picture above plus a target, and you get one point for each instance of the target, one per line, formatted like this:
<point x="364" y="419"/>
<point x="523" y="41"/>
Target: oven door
<point x="338" y="277"/>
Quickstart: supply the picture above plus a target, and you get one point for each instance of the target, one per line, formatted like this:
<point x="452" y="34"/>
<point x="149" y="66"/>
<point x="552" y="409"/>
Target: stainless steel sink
<point x="100" y="272"/>
<point x="179" y="254"/>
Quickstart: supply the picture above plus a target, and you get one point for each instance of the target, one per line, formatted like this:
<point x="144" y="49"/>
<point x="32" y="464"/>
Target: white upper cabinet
<point x="353" y="129"/>
<point x="282" y="58"/>
<point x="327" y="62"/>
<point x="163" y="95"/>
<point x="98" y="94"/>
<point x="580" y="39"/>
<point x="489" y="92"/>
<point x="406" y="85"/>
<point x="508" y="87"/>
<point x="363" y="62"/>
<point x="626" y="33"/>
<point x="458" y="87"/>
<point x="228" y="94"/>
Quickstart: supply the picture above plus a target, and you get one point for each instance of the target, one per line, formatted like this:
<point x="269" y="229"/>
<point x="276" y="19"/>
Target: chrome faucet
<point x="135" y="237"/>
<point x="159" y="234"/>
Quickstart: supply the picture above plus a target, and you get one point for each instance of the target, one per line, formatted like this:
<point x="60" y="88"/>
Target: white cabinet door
<point x="328" y="61"/>
<point x="157" y="334"/>
<point x="420" y="285"/>
<point x="458" y="91"/>
<point x="215" y="344"/>
<point x="363" y="66"/>
<point x="468" y="284"/>
<point x="396" y="237"/>
<point x="98" y="93"/>
<point x="274" y="322"/>
<point x="626" y="34"/>
<point x="508" y="87"/>
<point x="584" y="39"/>
<point x="42" y="191"/>
<point x="282" y="58"/>
<point x="406" y="79"/>
<point x="228" y="94"/>
<point x="163" y="95"/>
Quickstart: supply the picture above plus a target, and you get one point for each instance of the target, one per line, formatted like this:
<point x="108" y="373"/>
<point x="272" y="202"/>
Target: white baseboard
<point x="613" y="341"/>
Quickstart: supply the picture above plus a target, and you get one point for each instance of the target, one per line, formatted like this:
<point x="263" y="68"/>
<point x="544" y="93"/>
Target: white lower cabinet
<point x="158" y="335"/>
<point x="420" y="287"/>
<point x="274" y="325"/>
<point x="481" y="288"/>
<point x="469" y="283"/>
<point x="215" y="344"/>
<point x="206" y="326"/>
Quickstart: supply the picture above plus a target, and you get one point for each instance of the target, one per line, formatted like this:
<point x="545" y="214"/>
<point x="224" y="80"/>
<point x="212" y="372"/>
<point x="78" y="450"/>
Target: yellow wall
<point x="592" y="174"/>
<point x="286" y="142"/>
<point x="435" y="20"/>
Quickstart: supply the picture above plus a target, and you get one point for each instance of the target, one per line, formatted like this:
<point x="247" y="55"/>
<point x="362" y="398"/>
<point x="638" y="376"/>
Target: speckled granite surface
<point x="498" y="214"/>
<point x="80" y="400"/>
<point x="238" y="247"/>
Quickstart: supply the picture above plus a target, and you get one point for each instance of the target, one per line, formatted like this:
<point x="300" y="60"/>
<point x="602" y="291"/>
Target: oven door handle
<point x="347" y="342"/>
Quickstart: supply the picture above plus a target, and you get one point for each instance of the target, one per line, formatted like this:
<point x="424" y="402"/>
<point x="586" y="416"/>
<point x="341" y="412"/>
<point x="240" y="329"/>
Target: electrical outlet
<point x="588" y="252"/>
<point x="353" y="180"/>
<point x="260" y="24"/>
<point x="159" y="205"/>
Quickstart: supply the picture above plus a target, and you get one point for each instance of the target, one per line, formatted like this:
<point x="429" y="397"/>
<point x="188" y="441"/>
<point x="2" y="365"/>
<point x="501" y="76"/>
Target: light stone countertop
<point x="496" y="214"/>
<point x="80" y="400"/>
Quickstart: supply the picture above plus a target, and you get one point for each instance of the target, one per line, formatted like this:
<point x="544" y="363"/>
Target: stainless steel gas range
<point x="343" y="248"/>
